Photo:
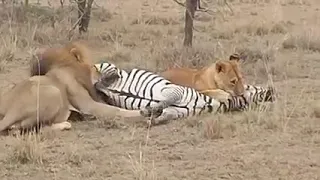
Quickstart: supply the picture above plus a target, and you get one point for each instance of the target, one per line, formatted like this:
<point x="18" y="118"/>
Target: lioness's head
<point x="228" y="76"/>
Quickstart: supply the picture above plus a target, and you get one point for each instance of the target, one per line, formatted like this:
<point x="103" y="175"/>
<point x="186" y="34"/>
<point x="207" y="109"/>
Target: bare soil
<point x="279" y="40"/>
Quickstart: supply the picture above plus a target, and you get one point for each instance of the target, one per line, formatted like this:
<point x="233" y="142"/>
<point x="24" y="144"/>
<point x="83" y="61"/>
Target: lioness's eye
<point x="233" y="81"/>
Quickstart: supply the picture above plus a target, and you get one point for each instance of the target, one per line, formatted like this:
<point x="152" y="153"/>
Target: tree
<point x="191" y="7"/>
<point x="84" y="12"/>
<point x="62" y="3"/>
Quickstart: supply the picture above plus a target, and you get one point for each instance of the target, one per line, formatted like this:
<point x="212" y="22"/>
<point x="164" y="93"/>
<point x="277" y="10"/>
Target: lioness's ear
<point x="76" y="54"/>
<point x="220" y="66"/>
<point x="234" y="57"/>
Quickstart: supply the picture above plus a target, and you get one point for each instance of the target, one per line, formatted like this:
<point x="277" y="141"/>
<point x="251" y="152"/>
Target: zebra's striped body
<point x="152" y="94"/>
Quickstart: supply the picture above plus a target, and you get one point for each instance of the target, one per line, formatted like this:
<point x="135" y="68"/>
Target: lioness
<point x="213" y="80"/>
<point x="64" y="82"/>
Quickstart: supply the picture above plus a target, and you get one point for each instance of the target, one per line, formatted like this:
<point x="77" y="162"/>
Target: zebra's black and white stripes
<point x="152" y="94"/>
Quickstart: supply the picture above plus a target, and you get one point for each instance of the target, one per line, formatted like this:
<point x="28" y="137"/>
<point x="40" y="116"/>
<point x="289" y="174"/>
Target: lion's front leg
<point x="217" y="94"/>
<point x="103" y="110"/>
<point x="61" y="126"/>
<point x="84" y="103"/>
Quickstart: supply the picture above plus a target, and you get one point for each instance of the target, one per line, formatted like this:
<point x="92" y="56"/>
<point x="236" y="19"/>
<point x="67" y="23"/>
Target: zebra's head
<point x="270" y="94"/>
<point x="108" y="73"/>
<point x="105" y="67"/>
<point x="261" y="94"/>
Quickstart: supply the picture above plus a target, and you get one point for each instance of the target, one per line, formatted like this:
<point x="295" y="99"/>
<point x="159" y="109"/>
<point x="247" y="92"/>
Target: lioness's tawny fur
<point x="213" y="80"/>
<point x="65" y="83"/>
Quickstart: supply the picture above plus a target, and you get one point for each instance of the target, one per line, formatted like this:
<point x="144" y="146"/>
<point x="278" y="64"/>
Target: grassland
<point x="279" y="40"/>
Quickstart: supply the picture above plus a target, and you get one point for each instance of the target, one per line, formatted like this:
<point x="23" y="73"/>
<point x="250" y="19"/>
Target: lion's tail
<point x="81" y="51"/>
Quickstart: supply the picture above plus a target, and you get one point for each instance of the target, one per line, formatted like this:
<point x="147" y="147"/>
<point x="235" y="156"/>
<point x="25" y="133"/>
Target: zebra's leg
<point x="171" y="95"/>
<point x="151" y="112"/>
<point x="167" y="115"/>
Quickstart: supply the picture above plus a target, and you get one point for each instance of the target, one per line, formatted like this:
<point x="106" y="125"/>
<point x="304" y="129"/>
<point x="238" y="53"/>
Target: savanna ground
<point x="279" y="40"/>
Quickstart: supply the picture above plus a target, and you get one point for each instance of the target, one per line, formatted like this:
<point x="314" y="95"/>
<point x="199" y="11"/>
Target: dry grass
<point x="6" y="55"/>
<point x="277" y="40"/>
<point x="27" y="149"/>
<point x="305" y="41"/>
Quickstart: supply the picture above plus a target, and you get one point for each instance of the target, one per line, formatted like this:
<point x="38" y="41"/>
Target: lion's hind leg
<point x="30" y="124"/>
<point x="54" y="109"/>
<point x="33" y="124"/>
<point x="10" y="119"/>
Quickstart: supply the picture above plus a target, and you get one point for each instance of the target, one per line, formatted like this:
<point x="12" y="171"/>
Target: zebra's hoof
<point x="151" y="112"/>
<point x="145" y="112"/>
<point x="151" y="122"/>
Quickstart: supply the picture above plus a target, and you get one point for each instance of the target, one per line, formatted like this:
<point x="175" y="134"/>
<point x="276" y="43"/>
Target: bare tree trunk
<point x="191" y="6"/>
<point x="62" y="3"/>
<point x="86" y="17"/>
<point x="84" y="13"/>
<point x="81" y="9"/>
<point x="26" y="2"/>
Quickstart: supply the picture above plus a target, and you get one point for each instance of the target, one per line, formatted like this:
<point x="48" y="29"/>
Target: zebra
<point x="161" y="100"/>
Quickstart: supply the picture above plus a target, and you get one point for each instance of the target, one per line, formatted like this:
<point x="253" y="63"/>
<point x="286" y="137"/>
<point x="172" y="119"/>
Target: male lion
<point x="61" y="82"/>
<point x="213" y="80"/>
<point x="73" y="56"/>
<point x="37" y="100"/>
